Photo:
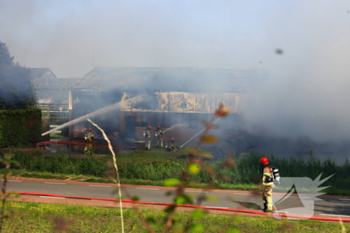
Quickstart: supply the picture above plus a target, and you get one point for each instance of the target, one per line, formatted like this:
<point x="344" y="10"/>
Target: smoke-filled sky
<point x="307" y="94"/>
<point x="64" y="35"/>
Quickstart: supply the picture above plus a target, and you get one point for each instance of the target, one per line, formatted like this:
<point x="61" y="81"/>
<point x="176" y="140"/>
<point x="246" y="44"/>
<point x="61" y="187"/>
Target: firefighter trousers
<point x="159" y="143"/>
<point x="267" y="198"/>
<point x="88" y="146"/>
<point x="148" y="144"/>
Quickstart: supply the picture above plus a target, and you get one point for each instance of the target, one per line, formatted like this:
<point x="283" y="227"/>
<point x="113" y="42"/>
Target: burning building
<point x="181" y="95"/>
<point x="52" y="96"/>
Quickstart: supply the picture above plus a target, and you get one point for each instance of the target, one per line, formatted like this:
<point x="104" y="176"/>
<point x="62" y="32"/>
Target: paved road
<point x="232" y="200"/>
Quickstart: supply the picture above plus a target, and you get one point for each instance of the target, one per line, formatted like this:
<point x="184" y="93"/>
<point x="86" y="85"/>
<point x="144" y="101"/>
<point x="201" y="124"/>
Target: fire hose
<point x="42" y="145"/>
<point x="182" y="205"/>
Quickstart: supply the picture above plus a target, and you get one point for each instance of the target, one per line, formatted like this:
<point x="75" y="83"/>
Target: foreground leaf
<point x="209" y="139"/>
<point x="194" y="168"/>
<point x="171" y="182"/>
<point x="205" y="154"/>
<point x="197" y="228"/>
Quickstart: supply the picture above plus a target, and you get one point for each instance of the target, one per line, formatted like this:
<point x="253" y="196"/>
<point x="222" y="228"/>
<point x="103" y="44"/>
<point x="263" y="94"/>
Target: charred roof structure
<point x="182" y="95"/>
<point x="105" y="79"/>
<point x="53" y="91"/>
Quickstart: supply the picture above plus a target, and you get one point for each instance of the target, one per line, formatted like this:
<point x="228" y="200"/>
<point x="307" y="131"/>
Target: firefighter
<point x="171" y="145"/>
<point x="88" y="141"/>
<point x="159" y="136"/>
<point x="267" y="182"/>
<point x="147" y="134"/>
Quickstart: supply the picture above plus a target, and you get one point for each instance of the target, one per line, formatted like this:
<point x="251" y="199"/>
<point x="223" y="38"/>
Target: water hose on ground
<point x="188" y="206"/>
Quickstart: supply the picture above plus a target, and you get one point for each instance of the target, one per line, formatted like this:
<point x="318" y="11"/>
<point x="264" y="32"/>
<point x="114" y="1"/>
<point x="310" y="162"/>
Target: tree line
<point x="16" y="89"/>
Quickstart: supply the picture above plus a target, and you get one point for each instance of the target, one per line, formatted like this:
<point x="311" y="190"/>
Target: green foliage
<point x="171" y="182"/>
<point x="5" y="58"/>
<point x="16" y="89"/>
<point x="245" y="173"/>
<point x="197" y="213"/>
<point x="65" y="164"/>
<point x="194" y="168"/>
<point x="184" y="199"/>
<point x="19" y="127"/>
<point x="197" y="228"/>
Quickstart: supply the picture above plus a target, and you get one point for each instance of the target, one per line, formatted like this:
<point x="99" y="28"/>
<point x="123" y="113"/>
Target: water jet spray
<point x="173" y="127"/>
<point x="124" y="103"/>
<point x="195" y="136"/>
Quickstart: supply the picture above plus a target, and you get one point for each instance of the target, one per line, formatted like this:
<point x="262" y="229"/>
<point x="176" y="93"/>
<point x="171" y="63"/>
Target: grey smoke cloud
<point x="63" y="35"/>
<point x="306" y="94"/>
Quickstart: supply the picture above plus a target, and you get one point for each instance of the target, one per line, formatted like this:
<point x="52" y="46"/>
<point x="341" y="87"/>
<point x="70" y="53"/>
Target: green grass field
<point x="35" y="217"/>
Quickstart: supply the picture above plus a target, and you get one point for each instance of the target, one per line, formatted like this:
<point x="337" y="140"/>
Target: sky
<point x="306" y="94"/>
<point x="71" y="37"/>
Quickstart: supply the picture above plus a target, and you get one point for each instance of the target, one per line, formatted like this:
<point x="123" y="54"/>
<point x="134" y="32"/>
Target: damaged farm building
<point x="52" y="97"/>
<point x="180" y="96"/>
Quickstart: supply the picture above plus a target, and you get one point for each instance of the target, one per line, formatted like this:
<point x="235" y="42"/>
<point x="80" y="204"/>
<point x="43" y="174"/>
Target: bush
<point x="19" y="127"/>
<point x="246" y="170"/>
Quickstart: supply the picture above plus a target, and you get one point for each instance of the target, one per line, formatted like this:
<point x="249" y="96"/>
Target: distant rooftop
<point x="103" y="79"/>
<point x="41" y="73"/>
<point x="55" y="84"/>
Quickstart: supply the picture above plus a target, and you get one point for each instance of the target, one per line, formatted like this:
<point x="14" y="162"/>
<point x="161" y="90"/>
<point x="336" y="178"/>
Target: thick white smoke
<point x="305" y="97"/>
<point x="307" y="93"/>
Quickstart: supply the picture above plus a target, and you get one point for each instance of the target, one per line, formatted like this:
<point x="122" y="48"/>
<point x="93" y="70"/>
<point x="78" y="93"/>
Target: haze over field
<point x="305" y="96"/>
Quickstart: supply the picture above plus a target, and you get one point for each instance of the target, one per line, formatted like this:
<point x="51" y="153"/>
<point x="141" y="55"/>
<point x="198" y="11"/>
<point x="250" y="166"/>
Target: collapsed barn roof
<point x="57" y="84"/>
<point x="53" y="90"/>
<point x="150" y="80"/>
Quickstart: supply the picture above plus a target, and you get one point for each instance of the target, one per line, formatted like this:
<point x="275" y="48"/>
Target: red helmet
<point x="264" y="161"/>
<point x="149" y="126"/>
<point x="172" y="139"/>
<point x="158" y="126"/>
<point x="90" y="129"/>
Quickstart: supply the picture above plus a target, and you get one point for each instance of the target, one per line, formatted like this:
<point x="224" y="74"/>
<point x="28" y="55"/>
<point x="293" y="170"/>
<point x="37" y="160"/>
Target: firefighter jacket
<point x="267" y="177"/>
<point x="148" y="133"/>
<point x="159" y="133"/>
<point x="172" y="146"/>
<point x="89" y="137"/>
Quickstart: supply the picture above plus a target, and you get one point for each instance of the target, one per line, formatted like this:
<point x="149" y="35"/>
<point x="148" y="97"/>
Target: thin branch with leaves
<point x="116" y="169"/>
<point x="5" y="195"/>
<point x="193" y="167"/>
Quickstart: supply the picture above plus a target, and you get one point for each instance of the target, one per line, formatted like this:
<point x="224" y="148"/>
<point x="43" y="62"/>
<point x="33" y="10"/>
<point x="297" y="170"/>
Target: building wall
<point x="179" y="134"/>
<point x="197" y="102"/>
<point x="185" y="108"/>
<point x="87" y="102"/>
<point x="58" y="114"/>
<point x="167" y="119"/>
